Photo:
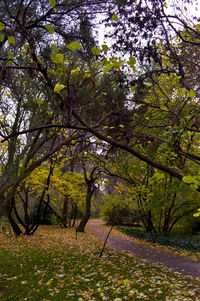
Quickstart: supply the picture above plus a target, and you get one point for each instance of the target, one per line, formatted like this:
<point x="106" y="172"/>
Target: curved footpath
<point x="124" y="243"/>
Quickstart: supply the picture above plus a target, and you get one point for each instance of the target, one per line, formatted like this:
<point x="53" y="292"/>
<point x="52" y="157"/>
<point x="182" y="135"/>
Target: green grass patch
<point x="53" y="265"/>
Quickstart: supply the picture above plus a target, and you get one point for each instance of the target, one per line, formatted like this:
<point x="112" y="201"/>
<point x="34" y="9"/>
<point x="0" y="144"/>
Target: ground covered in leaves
<point x="53" y="265"/>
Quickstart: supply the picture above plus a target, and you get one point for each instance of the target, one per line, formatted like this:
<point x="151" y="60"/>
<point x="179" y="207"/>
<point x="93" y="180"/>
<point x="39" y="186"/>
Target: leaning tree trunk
<point x="13" y="224"/>
<point x="86" y="215"/>
<point x="90" y="190"/>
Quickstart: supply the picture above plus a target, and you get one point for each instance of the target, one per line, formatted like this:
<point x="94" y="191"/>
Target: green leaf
<point x="133" y="89"/>
<point x="10" y="55"/>
<point x="39" y="59"/>
<point x="52" y="2"/>
<point x="96" y="51"/>
<point x="192" y="93"/>
<point x="87" y="75"/>
<point x="39" y="101"/>
<point x="2" y="26"/>
<point x="105" y="47"/>
<point x="164" y="108"/>
<point x="194" y="186"/>
<point x="8" y="63"/>
<point x="1" y="38"/>
<point x="181" y="92"/>
<point x="188" y="179"/>
<point x="198" y="26"/>
<point x="50" y="28"/>
<point x="115" y="17"/>
<point x="74" y="46"/>
<point x="117" y="64"/>
<point x="121" y="126"/>
<point x="55" y="47"/>
<point x="51" y="71"/>
<point x="148" y="84"/>
<point x="58" y="88"/>
<point x="11" y="41"/>
<point x="26" y="46"/>
<point x="159" y="176"/>
<point x="107" y="68"/>
<point x="57" y="58"/>
<point x="131" y="62"/>
<point x="75" y="70"/>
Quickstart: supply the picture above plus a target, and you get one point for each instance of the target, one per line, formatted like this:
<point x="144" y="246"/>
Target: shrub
<point x="48" y="216"/>
<point x="119" y="212"/>
<point x="188" y="244"/>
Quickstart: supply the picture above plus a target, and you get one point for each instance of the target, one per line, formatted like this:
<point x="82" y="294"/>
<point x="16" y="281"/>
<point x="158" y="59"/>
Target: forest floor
<point x="151" y="254"/>
<point x="56" y="264"/>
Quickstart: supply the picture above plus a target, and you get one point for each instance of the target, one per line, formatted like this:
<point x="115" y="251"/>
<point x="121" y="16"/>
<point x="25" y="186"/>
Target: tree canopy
<point x="58" y="86"/>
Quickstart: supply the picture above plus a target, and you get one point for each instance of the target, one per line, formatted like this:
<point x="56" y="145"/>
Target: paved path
<point x="124" y="243"/>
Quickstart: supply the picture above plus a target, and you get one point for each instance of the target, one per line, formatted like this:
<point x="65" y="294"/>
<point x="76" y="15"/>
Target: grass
<point x="183" y="246"/>
<point x="53" y="265"/>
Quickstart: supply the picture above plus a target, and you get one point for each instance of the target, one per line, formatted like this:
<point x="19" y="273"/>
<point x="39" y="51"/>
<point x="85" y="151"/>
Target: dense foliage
<point x="62" y="92"/>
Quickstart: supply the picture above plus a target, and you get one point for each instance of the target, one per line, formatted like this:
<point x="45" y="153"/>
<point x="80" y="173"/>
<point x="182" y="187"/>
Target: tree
<point x="20" y="155"/>
<point x="25" y="39"/>
<point x="68" y="193"/>
<point x="64" y="84"/>
<point x="162" y="201"/>
<point x="119" y="208"/>
<point x="90" y="180"/>
<point x="28" y="219"/>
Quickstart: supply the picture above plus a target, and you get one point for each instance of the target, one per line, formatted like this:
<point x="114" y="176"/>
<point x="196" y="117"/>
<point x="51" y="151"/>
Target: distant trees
<point x="157" y="200"/>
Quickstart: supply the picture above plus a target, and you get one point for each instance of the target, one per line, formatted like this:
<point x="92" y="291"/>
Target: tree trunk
<point x="90" y="190"/>
<point x="86" y="216"/>
<point x="65" y="211"/>
<point x="75" y="214"/>
<point x="13" y="224"/>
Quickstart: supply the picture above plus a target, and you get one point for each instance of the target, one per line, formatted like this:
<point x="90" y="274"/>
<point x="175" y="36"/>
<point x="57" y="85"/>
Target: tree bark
<point x="86" y="216"/>
<point x="65" y="211"/>
<point x="13" y="224"/>
<point x="90" y="190"/>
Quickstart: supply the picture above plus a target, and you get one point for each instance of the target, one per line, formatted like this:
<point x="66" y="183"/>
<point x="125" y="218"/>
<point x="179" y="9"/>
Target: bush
<point x="196" y="226"/>
<point x="188" y="244"/>
<point x="48" y="216"/>
<point x="119" y="212"/>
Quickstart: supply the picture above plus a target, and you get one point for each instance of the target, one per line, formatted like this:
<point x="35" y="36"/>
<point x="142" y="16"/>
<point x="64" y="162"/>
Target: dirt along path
<point x="161" y="258"/>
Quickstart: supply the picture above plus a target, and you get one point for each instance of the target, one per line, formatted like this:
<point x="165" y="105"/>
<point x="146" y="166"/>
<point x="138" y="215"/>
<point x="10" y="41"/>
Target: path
<point x="124" y="243"/>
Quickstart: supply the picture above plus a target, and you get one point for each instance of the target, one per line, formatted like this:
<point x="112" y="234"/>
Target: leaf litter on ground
<point x="53" y="265"/>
